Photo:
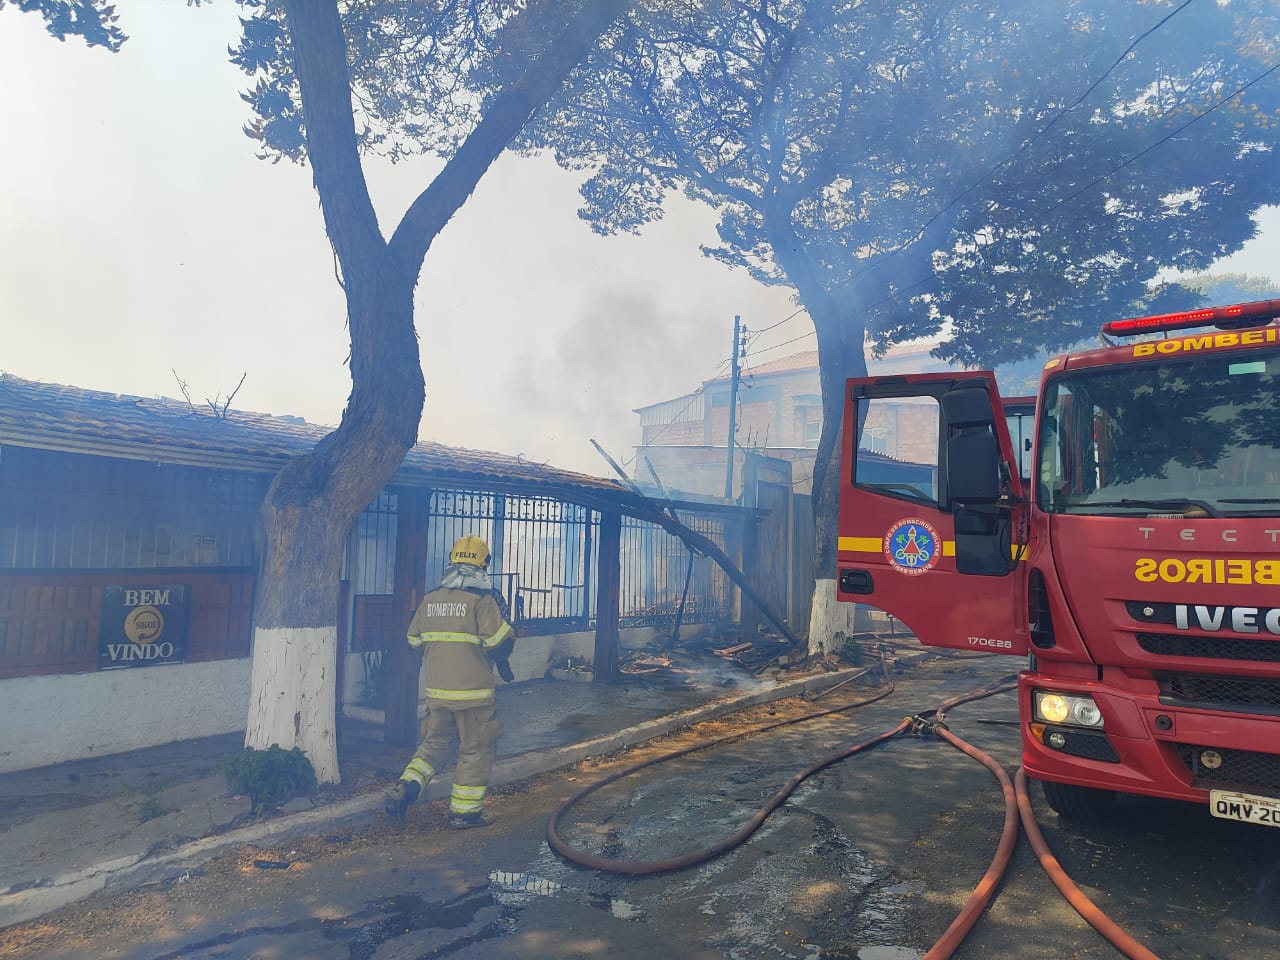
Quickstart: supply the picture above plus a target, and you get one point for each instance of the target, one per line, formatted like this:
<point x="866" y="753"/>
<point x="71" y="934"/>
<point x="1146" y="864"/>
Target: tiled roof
<point x="70" y="419"/>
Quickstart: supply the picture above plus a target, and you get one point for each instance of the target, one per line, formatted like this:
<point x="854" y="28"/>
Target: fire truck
<point x="1128" y="546"/>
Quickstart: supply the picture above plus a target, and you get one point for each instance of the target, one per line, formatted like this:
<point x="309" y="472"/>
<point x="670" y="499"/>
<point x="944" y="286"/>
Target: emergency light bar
<point x="1240" y="315"/>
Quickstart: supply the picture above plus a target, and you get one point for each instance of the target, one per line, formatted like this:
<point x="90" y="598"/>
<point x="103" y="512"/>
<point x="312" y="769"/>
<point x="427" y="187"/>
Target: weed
<point x="151" y="808"/>
<point x="848" y="649"/>
<point x="268" y="776"/>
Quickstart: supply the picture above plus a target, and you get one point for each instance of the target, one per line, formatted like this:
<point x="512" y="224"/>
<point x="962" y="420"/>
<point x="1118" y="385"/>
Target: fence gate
<point x="768" y="489"/>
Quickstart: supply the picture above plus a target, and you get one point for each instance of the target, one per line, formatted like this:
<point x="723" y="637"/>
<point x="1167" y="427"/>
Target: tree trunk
<point x="308" y="510"/>
<point x="841" y="329"/>
<point x="313" y="502"/>
<point x="840" y="356"/>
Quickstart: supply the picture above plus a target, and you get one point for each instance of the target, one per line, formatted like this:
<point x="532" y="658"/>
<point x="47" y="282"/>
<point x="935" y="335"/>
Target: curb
<point x="45" y="896"/>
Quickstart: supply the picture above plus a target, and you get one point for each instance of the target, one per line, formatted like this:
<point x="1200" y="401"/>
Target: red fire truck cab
<point x="1130" y="548"/>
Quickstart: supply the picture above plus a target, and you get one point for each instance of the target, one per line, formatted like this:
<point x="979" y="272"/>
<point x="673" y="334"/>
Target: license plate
<point x="1246" y="807"/>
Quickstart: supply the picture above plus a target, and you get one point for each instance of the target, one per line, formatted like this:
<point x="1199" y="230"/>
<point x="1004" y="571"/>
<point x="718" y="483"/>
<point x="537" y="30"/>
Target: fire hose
<point x="931" y="723"/>
<point x="636" y="868"/>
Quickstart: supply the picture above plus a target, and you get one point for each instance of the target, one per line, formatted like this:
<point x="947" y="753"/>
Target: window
<point x="1198" y="433"/>
<point x="898" y="447"/>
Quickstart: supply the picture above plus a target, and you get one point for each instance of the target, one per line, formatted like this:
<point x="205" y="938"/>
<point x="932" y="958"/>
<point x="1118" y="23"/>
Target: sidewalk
<point x="121" y="821"/>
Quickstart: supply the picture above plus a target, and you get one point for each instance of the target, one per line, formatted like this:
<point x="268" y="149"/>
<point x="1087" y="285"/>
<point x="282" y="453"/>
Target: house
<point x="128" y="564"/>
<point x="779" y="414"/>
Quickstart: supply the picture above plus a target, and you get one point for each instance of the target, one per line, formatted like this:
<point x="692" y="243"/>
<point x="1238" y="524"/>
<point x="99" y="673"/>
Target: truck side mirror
<point x="973" y="453"/>
<point x="973" y="468"/>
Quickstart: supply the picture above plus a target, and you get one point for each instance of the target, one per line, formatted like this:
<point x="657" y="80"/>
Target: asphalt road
<point x="869" y="859"/>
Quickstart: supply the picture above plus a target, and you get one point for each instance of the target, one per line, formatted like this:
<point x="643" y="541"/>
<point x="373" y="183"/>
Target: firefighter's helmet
<point x="470" y="550"/>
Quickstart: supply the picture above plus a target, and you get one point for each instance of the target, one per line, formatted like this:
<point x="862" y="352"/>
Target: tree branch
<point x="504" y="118"/>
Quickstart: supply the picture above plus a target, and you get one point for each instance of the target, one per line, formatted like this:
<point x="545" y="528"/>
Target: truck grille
<point x="1209" y="648"/>
<point x="1240" y="769"/>
<point x="1240" y="694"/>
<point x="1081" y="743"/>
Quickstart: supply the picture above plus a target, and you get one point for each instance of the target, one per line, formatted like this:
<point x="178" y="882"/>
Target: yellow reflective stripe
<point x="435" y="694"/>
<point x="876" y="545"/>
<point x="860" y="544"/>
<point x="466" y="799"/>
<point x="418" y="770"/>
<point x="444" y="636"/>
<point x="498" y="637"/>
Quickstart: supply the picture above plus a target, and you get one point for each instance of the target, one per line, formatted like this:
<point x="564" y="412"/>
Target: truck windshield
<point x="1189" y="437"/>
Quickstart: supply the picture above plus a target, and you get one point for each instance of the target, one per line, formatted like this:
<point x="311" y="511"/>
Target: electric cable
<point x="1024" y="146"/>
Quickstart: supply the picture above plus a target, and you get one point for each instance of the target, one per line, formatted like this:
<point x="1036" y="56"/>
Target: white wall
<point x="77" y="715"/>
<point x="74" y="716"/>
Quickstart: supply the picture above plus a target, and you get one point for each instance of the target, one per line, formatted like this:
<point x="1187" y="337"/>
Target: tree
<point x="1004" y="173"/>
<point x="318" y="66"/>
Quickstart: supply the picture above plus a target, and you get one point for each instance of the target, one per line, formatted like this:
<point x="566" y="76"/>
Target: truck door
<point x="932" y="519"/>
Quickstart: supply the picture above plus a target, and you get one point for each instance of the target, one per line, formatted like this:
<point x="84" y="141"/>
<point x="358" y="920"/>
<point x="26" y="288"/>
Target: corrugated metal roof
<point x="74" y="420"/>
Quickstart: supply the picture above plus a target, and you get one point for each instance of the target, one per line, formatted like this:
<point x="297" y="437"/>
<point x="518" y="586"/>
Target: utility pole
<point x="733" y="407"/>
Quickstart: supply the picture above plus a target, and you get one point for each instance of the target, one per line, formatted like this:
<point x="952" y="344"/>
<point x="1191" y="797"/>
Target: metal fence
<point x="662" y="578"/>
<point x="545" y="558"/>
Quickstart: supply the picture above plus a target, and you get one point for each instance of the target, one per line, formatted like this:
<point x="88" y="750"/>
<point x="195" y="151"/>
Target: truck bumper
<point x="1149" y="744"/>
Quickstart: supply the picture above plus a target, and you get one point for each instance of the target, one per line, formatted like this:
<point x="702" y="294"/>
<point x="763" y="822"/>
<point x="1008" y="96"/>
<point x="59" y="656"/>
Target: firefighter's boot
<point x="397" y="799"/>
<point x="469" y="821"/>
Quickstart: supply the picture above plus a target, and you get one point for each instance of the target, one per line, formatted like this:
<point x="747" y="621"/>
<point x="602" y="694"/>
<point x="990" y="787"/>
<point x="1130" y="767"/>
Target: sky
<point x="145" y="246"/>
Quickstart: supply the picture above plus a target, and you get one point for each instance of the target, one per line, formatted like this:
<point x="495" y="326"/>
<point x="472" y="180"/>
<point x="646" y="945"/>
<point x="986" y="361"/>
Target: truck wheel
<point x="1077" y="803"/>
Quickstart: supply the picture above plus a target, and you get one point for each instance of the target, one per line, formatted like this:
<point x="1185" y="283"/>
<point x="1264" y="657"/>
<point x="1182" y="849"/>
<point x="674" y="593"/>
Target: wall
<point x="52" y="719"/>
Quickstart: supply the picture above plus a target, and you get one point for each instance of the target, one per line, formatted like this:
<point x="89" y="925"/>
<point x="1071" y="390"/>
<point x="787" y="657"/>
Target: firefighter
<point x="463" y="631"/>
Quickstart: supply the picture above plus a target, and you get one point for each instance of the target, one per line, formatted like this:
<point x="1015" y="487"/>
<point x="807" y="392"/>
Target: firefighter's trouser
<point x="476" y="729"/>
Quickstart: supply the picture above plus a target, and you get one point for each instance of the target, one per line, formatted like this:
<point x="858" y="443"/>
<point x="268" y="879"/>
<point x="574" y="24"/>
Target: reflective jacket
<point x="459" y="629"/>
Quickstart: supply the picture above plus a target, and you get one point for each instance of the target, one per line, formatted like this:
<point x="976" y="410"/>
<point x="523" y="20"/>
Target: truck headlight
<point x="1067" y="708"/>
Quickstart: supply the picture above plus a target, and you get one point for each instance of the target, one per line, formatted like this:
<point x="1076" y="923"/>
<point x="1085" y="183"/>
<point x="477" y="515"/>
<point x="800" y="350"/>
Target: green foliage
<point x="92" y="20"/>
<point x="268" y="776"/>
<point x="913" y="168"/>
<point x="150" y="809"/>
<point x="847" y="649"/>
<point x="1226" y="288"/>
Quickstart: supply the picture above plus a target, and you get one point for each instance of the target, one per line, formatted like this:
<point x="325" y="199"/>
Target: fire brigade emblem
<point x="912" y="547"/>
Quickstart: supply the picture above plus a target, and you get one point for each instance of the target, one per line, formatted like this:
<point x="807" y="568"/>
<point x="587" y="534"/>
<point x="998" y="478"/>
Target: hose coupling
<point x="922" y="726"/>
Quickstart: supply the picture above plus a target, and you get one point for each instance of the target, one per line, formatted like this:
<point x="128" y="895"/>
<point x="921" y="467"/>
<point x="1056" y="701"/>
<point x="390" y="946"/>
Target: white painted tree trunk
<point x="827" y="617"/>
<point x="292" y="694"/>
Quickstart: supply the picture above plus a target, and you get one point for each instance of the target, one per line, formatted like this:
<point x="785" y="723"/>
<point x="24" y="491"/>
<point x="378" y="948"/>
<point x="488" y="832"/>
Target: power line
<point x="697" y="394"/>
<point x="989" y="176"/>
<point x="774" y="326"/>
<point x="803" y="336"/>
<point x="1106" y="176"/>
<point x="1163" y="140"/>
